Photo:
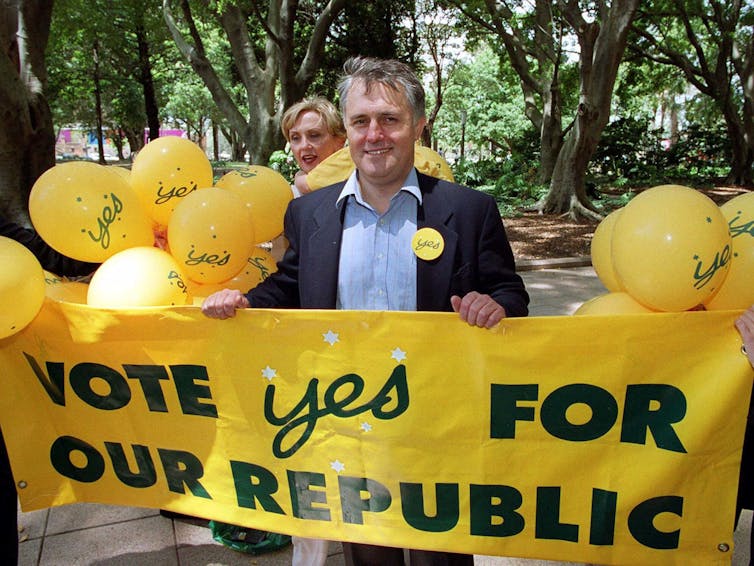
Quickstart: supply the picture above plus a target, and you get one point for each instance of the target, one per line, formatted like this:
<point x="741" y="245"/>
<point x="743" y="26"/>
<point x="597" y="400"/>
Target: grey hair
<point x="391" y="73"/>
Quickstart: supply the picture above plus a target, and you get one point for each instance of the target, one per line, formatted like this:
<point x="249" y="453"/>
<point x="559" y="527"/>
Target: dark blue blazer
<point x="477" y="255"/>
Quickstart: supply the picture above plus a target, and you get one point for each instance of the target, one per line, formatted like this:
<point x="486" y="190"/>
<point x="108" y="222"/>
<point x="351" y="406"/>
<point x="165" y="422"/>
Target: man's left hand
<point x="478" y="310"/>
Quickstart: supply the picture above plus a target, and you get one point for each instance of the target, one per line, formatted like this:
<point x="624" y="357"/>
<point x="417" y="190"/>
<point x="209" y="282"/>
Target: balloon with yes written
<point x="165" y="171"/>
<point x="266" y="194"/>
<point x="211" y="235"/>
<point x="87" y="211"/>
<point x="671" y="248"/>
<point x="737" y="291"/>
<point x="138" y="277"/>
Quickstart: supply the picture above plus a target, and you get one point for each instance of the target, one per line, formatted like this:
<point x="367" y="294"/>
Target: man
<point x="351" y="243"/>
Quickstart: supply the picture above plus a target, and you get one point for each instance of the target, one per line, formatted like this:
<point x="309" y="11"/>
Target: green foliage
<point x="118" y="30"/>
<point x="380" y="28"/>
<point x="491" y="103"/>
<point x="284" y="163"/>
<point x="629" y="149"/>
<point x="701" y="153"/>
<point x="511" y="181"/>
<point x="631" y="153"/>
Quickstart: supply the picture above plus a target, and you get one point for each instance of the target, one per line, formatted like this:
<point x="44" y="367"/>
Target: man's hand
<point x="478" y="310"/>
<point x="745" y="325"/>
<point x="223" y="304"/>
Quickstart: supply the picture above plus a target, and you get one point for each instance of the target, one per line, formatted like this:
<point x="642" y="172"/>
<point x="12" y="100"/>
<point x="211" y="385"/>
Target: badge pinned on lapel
<point x="427" y="244"/>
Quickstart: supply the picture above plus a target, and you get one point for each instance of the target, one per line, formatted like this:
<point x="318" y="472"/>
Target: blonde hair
<point x="323" y="107"/>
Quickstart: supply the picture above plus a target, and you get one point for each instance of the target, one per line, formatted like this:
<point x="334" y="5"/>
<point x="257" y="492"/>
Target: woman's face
<point x="310" y="140"/>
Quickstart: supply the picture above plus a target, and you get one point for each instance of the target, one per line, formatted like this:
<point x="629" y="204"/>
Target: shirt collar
<point x="352" y="187"/>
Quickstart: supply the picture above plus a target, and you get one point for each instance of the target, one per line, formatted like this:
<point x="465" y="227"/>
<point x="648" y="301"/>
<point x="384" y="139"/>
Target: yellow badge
<point x="427" y="244"/>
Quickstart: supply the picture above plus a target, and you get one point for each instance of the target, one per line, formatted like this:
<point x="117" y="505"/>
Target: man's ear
<point x="419" y="128"/>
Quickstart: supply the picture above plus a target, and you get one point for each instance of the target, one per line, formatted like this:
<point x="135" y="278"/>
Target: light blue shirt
<point x="377" y="269"/>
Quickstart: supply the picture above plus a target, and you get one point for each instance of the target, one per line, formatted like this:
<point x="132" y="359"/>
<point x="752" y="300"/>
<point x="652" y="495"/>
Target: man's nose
<point x="374" y="132"/>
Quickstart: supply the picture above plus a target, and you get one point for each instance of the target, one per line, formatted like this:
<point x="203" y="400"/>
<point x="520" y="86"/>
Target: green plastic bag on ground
<point x="245" y="539"/>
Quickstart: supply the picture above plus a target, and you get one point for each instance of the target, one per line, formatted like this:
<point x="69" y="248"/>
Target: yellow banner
<point x="614" y="440"/>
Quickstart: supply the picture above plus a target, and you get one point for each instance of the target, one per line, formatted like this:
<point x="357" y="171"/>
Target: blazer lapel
<point x="433" y="278"/>
<point x="319" y="268"/>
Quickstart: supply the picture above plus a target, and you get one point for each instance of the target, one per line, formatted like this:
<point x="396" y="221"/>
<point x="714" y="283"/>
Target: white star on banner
<point x="338" y="466"/>
<point x="398" y="355"/>
<point x="331" y="337"/>
<point x="366" y="427"/>
<point x="269" y="373"/>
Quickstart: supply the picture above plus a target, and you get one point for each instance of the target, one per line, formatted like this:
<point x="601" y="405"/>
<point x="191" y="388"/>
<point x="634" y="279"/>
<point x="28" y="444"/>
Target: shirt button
<point x="380" y="292"/>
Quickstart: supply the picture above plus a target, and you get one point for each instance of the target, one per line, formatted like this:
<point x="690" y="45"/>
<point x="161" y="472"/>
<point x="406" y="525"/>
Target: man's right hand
<point x="223" y="304"/>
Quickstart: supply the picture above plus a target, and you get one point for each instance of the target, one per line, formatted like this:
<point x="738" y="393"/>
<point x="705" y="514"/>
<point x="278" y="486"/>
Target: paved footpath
<point x="103" y="535"/>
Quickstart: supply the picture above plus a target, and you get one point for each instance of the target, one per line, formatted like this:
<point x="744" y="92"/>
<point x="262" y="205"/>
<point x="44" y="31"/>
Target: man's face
<point x="381" y="134"/>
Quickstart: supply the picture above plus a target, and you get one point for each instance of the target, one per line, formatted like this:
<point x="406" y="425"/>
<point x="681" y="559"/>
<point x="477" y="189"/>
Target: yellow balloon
<point x="431" y="163"/>
<point x="200" y="291"/>
<point x="612" y="303"/>
<point x="266" y="194"/>
<point x="52" y="279"/>
<point x="68" y="291"/>
<point x="602" y="259"/>
<point x="165" y="171"/>
<point x="211" y="234"/>
<point x="671" y="248"/>
<point x="22" y="287"/>
<point x="258" y="267"/>
<point x="737" y="290"/>
<point x="87" y="212"/>
<point x="138" y="277"/>
<point x="122" y="171"/>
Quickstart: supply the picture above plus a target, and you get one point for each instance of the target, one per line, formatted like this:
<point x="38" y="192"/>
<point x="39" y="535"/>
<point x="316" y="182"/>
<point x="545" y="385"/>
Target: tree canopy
<point x="536" y="83"/>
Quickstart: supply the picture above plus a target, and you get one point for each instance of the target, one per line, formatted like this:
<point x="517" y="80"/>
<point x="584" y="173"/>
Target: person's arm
<point x="500" y="290"/>
<point x="745" y="325"/>
<point x="299" y="181"/>
<point x="49" y="258"/>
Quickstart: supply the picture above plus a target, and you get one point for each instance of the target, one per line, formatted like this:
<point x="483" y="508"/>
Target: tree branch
<point x="204" y="68"/>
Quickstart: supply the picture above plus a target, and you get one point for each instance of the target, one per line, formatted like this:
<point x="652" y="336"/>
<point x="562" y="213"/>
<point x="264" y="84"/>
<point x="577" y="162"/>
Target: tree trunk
<point x="550" y="139"/>
<point x="27" y="136"/>
<point x="118" y="141"/>
<point x="567" y="192"/>
<point x="742" y="159"/>
<point x="98" y="105"/>
<point x="551" y="127"/>
<point x="271" y="81"/>
<point x="742" y="145"/>
<point x="145" y="78"/>
<point x="601" y="44"/>
<point x="674" y="129"/>
<point x="135" y="137"/>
